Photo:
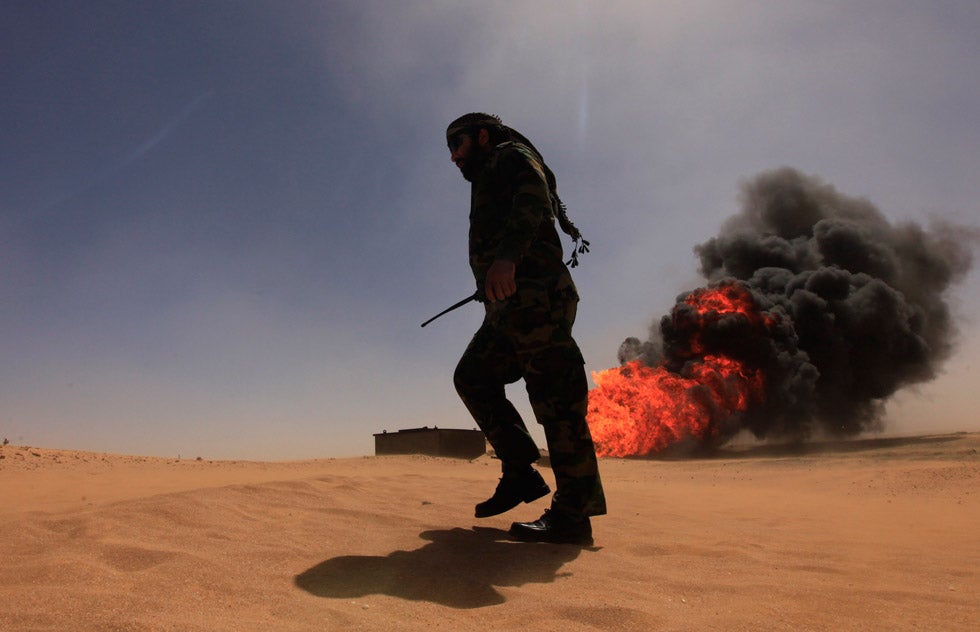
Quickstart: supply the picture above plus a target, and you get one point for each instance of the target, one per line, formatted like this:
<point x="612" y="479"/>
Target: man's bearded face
<point x="468" y="155"/>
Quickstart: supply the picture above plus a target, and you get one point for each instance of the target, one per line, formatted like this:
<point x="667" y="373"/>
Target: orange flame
<point x="637" y="409"/>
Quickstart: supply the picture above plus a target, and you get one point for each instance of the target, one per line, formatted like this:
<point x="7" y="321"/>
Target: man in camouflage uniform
<point x="530" y="299"/>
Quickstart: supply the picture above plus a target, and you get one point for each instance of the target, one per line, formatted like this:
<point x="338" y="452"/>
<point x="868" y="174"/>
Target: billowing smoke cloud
<point x="853" y="307"/>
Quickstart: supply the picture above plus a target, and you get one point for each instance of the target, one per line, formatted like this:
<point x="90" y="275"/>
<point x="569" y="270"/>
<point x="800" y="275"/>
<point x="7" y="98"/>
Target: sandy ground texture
<point x="877" y="534"/>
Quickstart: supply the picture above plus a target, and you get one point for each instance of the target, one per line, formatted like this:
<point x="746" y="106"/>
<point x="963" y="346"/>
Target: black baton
<point x="466" y="300"/>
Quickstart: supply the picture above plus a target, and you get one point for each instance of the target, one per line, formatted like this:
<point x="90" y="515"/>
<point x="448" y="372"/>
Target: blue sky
<point x="221" y="223"/>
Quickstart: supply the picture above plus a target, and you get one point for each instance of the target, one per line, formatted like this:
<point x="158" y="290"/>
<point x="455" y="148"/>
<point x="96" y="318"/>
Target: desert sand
<point x="874" y="534"/>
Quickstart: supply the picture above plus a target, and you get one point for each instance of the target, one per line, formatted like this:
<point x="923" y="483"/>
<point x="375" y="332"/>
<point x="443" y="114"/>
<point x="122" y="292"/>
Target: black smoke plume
<point x="854" y="306"/>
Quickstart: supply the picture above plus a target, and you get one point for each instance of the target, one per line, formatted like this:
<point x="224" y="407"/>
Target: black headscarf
<point x="470" y="123"/>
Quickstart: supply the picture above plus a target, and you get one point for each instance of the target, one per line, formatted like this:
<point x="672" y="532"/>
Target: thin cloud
<point x="138" y="152"/>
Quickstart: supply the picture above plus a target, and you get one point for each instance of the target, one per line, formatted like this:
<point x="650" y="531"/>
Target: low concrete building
<point x="452" y="442"/>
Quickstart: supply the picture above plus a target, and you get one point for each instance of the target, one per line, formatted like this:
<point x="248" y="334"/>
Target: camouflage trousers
<point x="529" y="336"/>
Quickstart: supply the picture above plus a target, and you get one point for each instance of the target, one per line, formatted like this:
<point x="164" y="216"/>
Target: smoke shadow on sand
<point x="459" y="568"/>
<point x="910" y="447"/>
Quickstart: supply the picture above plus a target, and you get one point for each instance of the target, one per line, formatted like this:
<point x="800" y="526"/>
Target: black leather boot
<point x="523" y="485"/>
<point x="554" y="527"/>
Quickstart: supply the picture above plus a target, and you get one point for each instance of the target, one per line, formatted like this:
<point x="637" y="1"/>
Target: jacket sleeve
<point x="530" y="204"/>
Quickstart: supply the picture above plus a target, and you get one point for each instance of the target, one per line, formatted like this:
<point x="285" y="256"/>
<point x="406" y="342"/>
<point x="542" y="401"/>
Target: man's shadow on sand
<point x="457" y="568"/>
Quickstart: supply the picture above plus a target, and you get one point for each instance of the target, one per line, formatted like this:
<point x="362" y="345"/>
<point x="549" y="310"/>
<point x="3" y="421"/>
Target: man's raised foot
<point x="512" y="490"/>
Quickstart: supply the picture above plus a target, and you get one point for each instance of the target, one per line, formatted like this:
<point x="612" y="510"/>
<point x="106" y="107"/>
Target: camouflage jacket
<point x="511" y="217"/>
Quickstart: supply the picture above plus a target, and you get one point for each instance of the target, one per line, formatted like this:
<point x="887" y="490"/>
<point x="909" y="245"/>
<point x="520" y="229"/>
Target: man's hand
<point x="500" y="280"/>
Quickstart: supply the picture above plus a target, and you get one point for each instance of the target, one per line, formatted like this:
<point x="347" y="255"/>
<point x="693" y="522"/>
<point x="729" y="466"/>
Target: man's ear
<point x="483" y="138"/>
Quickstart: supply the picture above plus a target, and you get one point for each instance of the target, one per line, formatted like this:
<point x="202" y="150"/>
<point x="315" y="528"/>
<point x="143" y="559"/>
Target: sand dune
<point x="866" y="535"/>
